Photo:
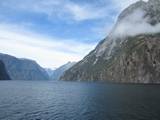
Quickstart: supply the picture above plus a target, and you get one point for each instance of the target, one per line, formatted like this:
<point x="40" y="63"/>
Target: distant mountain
<point x="23" y="69"/>
<point x="49" y="71"/>
<point x="130" y="53"/>
<point x="57" y="73"/>
<point x="3" y="73"/>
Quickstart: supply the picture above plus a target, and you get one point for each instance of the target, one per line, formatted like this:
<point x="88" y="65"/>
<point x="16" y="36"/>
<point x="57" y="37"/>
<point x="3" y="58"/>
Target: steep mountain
<point x="23" y="69"/>
<point x="3" y="73"/>
<point x="130" y="53"/>
<point x="57" y="73"/>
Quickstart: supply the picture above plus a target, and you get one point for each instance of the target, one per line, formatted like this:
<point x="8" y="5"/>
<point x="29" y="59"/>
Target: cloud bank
<point x="135" y="24"/>
<point x="65" y="9"/>
<point x="48" y="52"/>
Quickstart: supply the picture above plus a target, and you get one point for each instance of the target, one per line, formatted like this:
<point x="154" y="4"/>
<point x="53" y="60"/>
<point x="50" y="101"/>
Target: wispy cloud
<point x="73" y="22"/>
<point x="137" y="19"/>
<point x="85" y="12"/>
<point x="59" y="8"/>
<point x="49" y="52"/>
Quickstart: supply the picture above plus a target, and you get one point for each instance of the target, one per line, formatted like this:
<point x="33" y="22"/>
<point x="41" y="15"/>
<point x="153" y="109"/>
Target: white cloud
<point x="59" y="8"/>
<point x="53" y="52"/>
<point x="135" y="24"/>
<point x="48" y="52"/>
<point x="85" y="12"/>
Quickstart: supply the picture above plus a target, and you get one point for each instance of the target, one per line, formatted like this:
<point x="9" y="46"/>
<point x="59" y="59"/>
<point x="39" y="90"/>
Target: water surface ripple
<point x="43" y="100"/>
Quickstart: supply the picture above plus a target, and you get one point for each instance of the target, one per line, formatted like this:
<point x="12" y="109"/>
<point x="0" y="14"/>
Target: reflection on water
<point x="37" y="100"/>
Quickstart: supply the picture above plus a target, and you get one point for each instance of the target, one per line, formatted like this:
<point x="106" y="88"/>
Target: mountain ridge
<point x="132" y="22"/>
<point x="23" y="69"/>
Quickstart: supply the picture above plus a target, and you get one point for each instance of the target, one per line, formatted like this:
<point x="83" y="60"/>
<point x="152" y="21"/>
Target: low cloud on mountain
<point x="135" y="24"/>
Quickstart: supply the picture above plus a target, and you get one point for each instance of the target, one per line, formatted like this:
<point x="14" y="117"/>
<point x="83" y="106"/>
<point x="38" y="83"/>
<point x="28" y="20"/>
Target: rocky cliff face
<point x="23" y="69"/>
<point x="130" y="54"/>
<point x="137" y="61"/>
<point x="3" y="73"/>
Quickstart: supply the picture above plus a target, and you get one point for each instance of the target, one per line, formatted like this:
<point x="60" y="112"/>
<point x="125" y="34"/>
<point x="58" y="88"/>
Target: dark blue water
<point x="22" y="100"/>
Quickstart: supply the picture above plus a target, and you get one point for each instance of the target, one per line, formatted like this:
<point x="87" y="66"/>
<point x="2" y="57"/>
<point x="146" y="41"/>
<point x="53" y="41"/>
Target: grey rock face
<point x="23" y="69"/>
<point x="3" y="73"/>
<point x="128" y="59"/>
<point x="138" y="61"/>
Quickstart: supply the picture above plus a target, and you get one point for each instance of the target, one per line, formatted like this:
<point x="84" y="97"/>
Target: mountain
<point x="130" y="53"/>
<point x="49" y="71"/>
<point x="57" y="73"/>
<point x="3" y="73"/>
<point x="23" y="69"/>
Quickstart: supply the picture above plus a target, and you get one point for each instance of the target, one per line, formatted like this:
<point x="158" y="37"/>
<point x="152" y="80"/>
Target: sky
<point x="53" y="32"/>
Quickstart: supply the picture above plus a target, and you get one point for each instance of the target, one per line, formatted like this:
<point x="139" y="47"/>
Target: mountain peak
<point x="154" y="1"/>
<point x="130" y="54"/>
<point x="137" y="5"/>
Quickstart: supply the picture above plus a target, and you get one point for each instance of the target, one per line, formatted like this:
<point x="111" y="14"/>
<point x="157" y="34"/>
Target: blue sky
<point x="53" y="32"/>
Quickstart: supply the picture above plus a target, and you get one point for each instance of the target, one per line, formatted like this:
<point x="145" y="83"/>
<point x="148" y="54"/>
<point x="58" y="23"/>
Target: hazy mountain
<point x="3" y="73"/>
<point x="49" y="71"/>
<point x="130" y="53"/>
<point x="23" y="69"/>
<point x="57" y="73"/>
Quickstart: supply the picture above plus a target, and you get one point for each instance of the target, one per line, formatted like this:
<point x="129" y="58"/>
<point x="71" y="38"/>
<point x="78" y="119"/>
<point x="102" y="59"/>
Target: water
<point x="37" y="100"/>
